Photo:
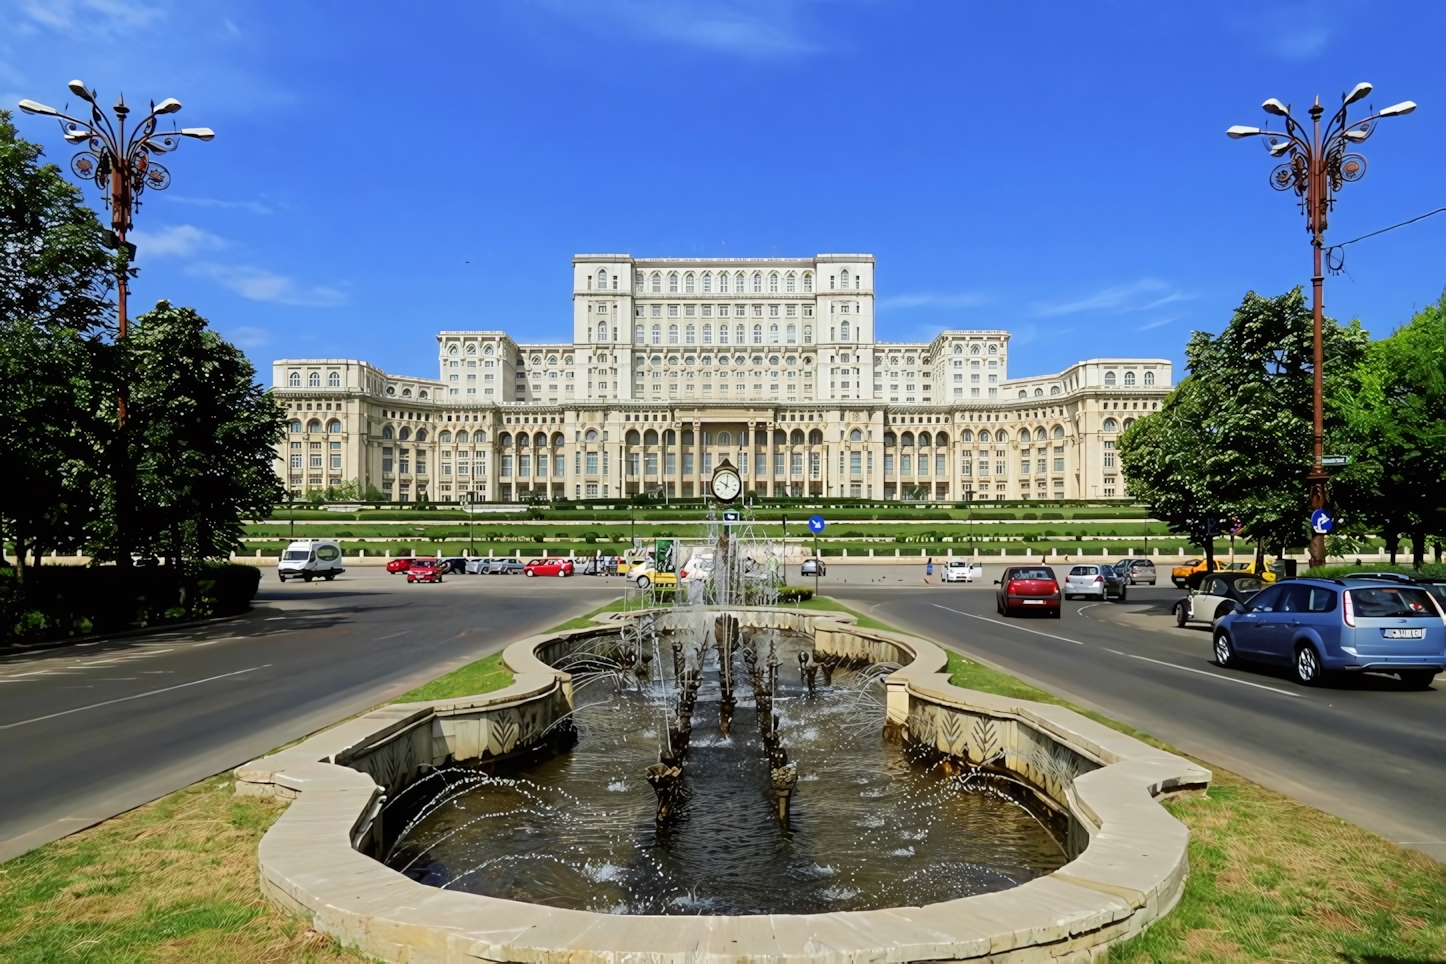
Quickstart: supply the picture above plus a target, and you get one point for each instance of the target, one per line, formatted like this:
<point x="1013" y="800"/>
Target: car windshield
<point x="1032" y="574"/>
<point x="1250" y="584"/>
<point x="957" y="564"/>
<point x="295" y="554"/>
<point x="1389" y="601"/>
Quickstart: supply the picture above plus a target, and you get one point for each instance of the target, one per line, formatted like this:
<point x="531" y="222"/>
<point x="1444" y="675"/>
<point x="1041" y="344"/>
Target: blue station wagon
<point x="1318" y="626"/>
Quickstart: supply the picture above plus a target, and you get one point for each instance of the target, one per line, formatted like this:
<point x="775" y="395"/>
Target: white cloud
<point x="247" y="337"/>
<point x="255" y="207"/>
<point x="181" y="241"/>
<point x="964" y="299"/>
<point x="92" y="16"/>
<point x="1159" y="323"/>
<point x="750" y="28"/>
<point x="1143" y="295"/>
<point x="258" y="284"/>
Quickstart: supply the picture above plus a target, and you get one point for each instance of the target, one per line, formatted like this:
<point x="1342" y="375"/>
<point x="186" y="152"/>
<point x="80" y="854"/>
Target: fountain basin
<point x="1127" y="855"/>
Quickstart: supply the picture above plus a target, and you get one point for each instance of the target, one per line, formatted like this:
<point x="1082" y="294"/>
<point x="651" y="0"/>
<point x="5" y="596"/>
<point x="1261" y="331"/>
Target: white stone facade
<point x="676" y="364"/>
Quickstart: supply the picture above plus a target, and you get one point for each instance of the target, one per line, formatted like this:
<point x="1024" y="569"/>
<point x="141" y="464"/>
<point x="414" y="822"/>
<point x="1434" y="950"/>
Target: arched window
<point x="479" y="438"/>
<point x="422" y="393"/>
<point x="1039" y="393"/>
<point x="973" y="349"/>
<point x="313" y="380"/>
<point x="924" y="440"/>
<point x="808" y="334"/>
<point x="313" y="426"/>
<point x="779" y="438"/>
<point x="633" y="438"/>
<point x="707" y="282"/>
<point x="687" y="436"/>
<point x="294" y="381"/>
<point x="773" y="282"/>
<point x="602" y="278"/>
<point x="808" y="281"/>
<point x="1109" y="378"/>
<point x="1111" y="425"/>
<point x="1039" y="435"/>
<point x="657" y="334"/>
<point x="670" y="437"/>
<point x="462" y="437"/>
<point x="296" y="427"/>
<point x="1054" y="389"/>
<point x="738" y="282"/>
<point x="789" y="282"/>
<point x="406" y="393"/>
<point x="505" y="439"/>
<point x="843" y="332"/>
<point x="1149" y="378"/>
<point x="723" y="283"/>
<point x="984" y="436"/>
<point x="1128" y="423"/>
<point x="602" y="331"/>
<point x="1023" y="393"/>
<point x="638" y="334"/>
<point x="657" y="283"/>
<point x="487" y="350"/>
<point x="404" y="434"/>
<point x="941" y="440"/>
<point x="650" y="437"/>
<point x="722" y="334"/>
<point x="758" y="282"/>
<point x="725" y="438"/>
<point x="815" y="437"/>
<point x="796" y="437"/>
<point x="672" y="334"/>
<point x="421" y="435"/>
<point x="688" y="282"/>
<point x="445" y="436"/>
<point x="958" y="349"/>
<point x="993" y="349"/>
<point x="707" y="334"/>
<point x="843" y="278"/>
<point x="790" y="334"/>
<point x="1024" y="435"/>
<point x="856" y="436"/>
<point x="907" y="440"/>
<point x="673" y="282"/>
<point x="738" y="336"/>
<point x="471" y="349"/>
<point x="773" y="334"/>
<point x="386" y="429"/>
<point x="591" y="435"/>
<point x="333" y="426"/>
<point x="333" y="380"/>
<point x="690" y="334"/>
<point x="1058" y="431"/>
<point x="890" y="439"/>
<point x="1129" y="378"/>
<point x="540" y="440"/>
<point x="556" y="440"/>
<point x="757" y="334"/>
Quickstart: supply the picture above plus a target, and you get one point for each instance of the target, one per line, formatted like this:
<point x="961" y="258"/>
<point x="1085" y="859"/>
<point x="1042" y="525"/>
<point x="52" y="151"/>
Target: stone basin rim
<point x="1128" y="854"/>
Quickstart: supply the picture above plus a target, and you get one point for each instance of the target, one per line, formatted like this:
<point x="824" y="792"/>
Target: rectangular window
<point x="856" y="463"/>
<point x="507" y="466"/>
<point x="524" y="466"/>
<point x="815" y="465"/>
<point x="687" y="463"/>
<point x="650" y="463"/>
<point x="983" y="466"/>
<point x="999" y="467"/>
<point x="446" y="468"/>
<point x="871" y="463"/>
<point x="966" y="467"/>
<point x="461" y="468"/>
<point x="633" y="461"/>
<point x="577" y="463"/>
<point x="777" y="463"/>
<point x="559" y="466"/>
<point x="296" y="463"/>
<point x="1039" y="467"/>
<point x="1024" y="467"/>
<point x="1109" y="460"/>
<point x="707" y="462"/>
<point x="906" y="465"/>
<point x="336" y="461"/>
<point x="796" y="463"/>
<point x="670" y="463"/>
<point x="592" y="463"/>
<point x="605" y="458"/>
<point x="742" y="463"/>
<point x="888" y="464"/>
<point x="1059" y="465"/>
<point x="316" y="460"/>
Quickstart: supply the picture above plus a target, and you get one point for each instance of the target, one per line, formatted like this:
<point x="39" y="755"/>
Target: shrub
<point x="538" y="538"/>
<point x="791" y="594"/>
<point x="1029" y="516"/>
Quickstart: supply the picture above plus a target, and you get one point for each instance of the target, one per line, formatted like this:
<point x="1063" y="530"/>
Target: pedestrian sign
<point x="816" y="524"/>
<point x="1321" y="521"/>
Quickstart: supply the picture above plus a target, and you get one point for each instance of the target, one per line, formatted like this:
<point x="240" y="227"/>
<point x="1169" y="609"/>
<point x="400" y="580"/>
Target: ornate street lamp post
<point x="120" y="164"/>
<point x="1317" y="165"/>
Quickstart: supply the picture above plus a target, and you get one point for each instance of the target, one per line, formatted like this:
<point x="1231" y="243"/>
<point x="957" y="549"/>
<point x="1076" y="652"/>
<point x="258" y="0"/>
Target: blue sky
<point x="384" y="171"/>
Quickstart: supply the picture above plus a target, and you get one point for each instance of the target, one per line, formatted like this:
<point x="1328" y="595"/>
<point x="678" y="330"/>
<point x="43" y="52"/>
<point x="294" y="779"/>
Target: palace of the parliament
<point x="676" y="364"/>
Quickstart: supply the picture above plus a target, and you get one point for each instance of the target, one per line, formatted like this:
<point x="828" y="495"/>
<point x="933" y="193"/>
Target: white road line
<point x="164" y="689"/>
<point x="393" y="635"/>
<point x="1010" y="625"/>
<point x="1227" y="679"/>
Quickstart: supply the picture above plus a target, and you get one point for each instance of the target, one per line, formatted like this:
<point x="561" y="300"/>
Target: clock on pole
<point x="727" y="484"/>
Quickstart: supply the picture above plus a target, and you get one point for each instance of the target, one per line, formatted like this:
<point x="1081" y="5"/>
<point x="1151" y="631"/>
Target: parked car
<point x="505" y="566"/>
<point x="426" y="570"/>
<point x="1265" y="571"/>
<point x="1098" y="581"/>
<point x="1318" y="626"/>
<point x="645" y="576"/>
<point x="548" y="567"/>
<point x="1024" y="588"/>
<point x="961" y="570"/>
<point x="1213" y="594"/>
<point x="1137" y="570"/>
<point x="306" y="559"/>
<point x="596" y="566"/>
<point x="813" y="567"/>
<point x="453" y="563"/>
<point x="1180" y="573"/>
<point x="399" y="564"/>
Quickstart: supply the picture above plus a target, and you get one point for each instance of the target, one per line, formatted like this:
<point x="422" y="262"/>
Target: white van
<point x="309" y="558"/>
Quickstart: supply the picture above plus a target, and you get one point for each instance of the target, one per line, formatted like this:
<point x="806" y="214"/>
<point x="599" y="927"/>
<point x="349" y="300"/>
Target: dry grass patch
<point x="173" y="881"/>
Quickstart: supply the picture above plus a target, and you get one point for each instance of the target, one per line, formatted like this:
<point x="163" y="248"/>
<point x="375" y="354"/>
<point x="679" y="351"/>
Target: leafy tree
<point x="1394" y="419"/>
<point x="1234" y="439"/>
<point x="199" y="439"/>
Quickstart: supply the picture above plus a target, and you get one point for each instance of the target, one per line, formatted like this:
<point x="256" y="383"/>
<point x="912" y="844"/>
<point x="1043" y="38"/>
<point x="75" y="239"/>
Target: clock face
<point x="726" y="486"/>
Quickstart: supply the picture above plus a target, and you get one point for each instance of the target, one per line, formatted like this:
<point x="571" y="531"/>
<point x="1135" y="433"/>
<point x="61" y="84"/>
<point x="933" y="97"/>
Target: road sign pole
<point x="816" y="563"/>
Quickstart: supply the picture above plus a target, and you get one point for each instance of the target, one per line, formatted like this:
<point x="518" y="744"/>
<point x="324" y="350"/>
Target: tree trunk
<point x="1418" y="545"/>
<point x="1436" y="546"/>
<point x="20" y="550"/>
<point x="1259" y="556"/>
<point x="1209" y="553"/>
<point x="1393" y="543"/>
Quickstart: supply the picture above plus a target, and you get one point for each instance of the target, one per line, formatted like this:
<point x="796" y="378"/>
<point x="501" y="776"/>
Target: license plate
<point x="1404" y="633"/>
<point x="1034" y="602"/>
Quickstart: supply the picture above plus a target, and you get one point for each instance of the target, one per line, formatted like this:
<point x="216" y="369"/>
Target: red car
<point x="548" y="567"/>
<point x="1024" y="588"/>
<point x="426" y="570"/>
<point x="395" y="566"/>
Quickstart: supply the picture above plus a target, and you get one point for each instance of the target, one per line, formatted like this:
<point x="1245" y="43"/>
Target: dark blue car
<point x="1318" y="626"/>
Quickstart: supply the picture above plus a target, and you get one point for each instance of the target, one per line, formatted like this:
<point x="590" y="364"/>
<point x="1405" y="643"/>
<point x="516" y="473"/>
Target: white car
<point x="308" y="559"/>
<point x="1212" y="595"/>
<point x="961" y="570"/>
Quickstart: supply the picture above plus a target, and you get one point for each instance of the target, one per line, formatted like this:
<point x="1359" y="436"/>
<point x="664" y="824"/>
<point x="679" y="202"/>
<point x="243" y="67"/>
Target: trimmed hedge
<point x="790" y="594"/>
<point x="61" y="601"/>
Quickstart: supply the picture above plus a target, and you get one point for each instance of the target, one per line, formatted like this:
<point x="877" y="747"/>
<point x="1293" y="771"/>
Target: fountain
<point x="862" y="808"/>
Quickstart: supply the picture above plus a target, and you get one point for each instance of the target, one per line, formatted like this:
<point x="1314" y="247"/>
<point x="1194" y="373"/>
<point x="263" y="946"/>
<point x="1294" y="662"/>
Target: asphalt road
<point x="1362" y="748"/>
<point x="91" y="730"/>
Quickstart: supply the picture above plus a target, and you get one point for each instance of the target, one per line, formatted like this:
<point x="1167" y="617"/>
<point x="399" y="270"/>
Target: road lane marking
<point x="392" y="636"/>
<point x="164" y="689"/>
<point x="1010" y="625"/>
<point x="1228" y="679"/>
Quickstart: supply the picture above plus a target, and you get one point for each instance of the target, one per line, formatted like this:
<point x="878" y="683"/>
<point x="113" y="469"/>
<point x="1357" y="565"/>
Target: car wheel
<point x="1182" y="613"/>
<point x="1124" y="594"/>
<point x="1307" y="665"/>
<point x="1224" y="652"/>
<point x="528" y="572"/>
<point x="643" y="582"/>
<point x="1417" y="679"/>
<point x="561" y="573"/>
<point x="306" y="577"/>
<point x="330" y="576"/>
<point x="1056" y="614"/>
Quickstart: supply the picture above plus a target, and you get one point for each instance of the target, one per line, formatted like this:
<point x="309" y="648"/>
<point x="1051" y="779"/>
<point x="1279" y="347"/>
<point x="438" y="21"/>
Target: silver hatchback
<point x="1098" y="581"/>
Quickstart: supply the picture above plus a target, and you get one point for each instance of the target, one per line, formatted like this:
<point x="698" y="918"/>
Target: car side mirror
<point x="996" y="582"/>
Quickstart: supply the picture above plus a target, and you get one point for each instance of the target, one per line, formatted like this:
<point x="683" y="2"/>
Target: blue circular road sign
<point x="1322" y="521"/>
<point x="816" y="524"/>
